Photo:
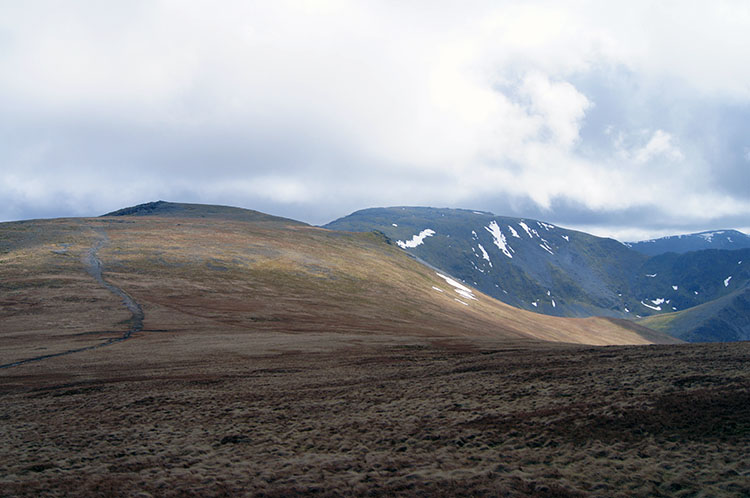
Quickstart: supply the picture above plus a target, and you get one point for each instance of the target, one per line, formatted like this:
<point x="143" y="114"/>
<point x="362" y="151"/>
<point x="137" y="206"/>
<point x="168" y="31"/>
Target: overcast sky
<point x="628" y="119"/>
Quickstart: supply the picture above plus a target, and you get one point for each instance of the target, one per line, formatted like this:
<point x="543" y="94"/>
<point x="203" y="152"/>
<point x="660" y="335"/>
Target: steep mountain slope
<point x="674" y="282"/>
<point x="540" y="267"/>
<point x="724" y="319"/>
<point x="526" y="263"/>
<point x="215" y="286"/>
<point x="716" y="239"/>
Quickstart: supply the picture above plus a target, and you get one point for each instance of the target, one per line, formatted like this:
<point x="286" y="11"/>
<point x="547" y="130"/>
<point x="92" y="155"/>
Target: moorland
<point x="191" y="355"/>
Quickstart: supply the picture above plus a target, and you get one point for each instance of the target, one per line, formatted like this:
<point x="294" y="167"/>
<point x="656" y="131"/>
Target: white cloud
<point x="300" y="104"/>
<point x="560" y="105"/>
<point x="659" y="146"/>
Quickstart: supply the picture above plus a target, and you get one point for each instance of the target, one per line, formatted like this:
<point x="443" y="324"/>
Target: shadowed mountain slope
<point x="674" y="282"/>
<point x="722" y="320"/>
<point x="543" y="268"/>
<point x="527" y="263"/>
<point x="714" y="239"/>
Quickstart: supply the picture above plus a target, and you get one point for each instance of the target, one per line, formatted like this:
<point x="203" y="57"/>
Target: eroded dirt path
<point x="94" y="268"/>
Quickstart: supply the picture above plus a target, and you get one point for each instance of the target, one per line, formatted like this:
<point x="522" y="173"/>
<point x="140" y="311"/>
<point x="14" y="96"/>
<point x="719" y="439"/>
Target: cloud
<point x="659" y="146"/>
<point x="314" y="109"/>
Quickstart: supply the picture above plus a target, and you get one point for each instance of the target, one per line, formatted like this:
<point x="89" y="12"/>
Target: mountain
<point x="527" y="263"/>
<point x="213" y="285"/>
<point x="674" y="282"/>
<point x="716" y="239"/>
<point x="183" y="210"/>
<point x="724" y="319"/>
<point x="701" y="295"/>
<point x="547" y="269"/>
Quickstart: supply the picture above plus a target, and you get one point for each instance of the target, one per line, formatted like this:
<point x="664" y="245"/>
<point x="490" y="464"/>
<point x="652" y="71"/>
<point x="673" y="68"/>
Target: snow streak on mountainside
<point x="416" y="239"/>
<point x="499" y="238"/>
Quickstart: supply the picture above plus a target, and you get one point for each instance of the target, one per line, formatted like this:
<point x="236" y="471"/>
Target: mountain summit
<point x="185" y="210"/>
<point x="715" y="239"/>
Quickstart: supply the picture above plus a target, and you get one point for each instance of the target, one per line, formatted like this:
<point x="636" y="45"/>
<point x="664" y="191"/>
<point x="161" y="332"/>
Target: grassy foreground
<point x="385" y="420"/>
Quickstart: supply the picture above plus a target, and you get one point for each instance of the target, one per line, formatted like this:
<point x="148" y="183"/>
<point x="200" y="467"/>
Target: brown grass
<point x="383" y="421"/>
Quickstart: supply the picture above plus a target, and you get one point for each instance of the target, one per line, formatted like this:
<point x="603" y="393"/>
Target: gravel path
<point x="94" y="268"/>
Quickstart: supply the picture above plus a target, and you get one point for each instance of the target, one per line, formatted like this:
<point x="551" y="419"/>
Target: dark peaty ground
<point x="425" y="419"/>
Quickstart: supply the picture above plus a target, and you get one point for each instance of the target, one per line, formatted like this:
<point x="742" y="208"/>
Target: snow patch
<point x="546" y="247"/>
<point x="465" y="304"/>
<point x="567" y="239"/>
<point x="655" y="308"/>
<point x="499" y="238"/>
<point x="534" y="304"/>
<point x="658" y="301"/>
<point x="695" y="292"/>
<point x="546" y="226"/>
<point x="438" y="289"/>
<point x="627" y="310"/>
<point x="708" y="236"/>
<point x="513" y="232"/>
<point x="393" y="224"/>
<point x="416" y="240"/>
<point x="553" y="304"/>
<point x="528" y="230"/>
<point x="461" y="289"/>
<point x="674" y="287"/>
<point x="484" y="254"/>
<point x="726" y="281"/>
<point x="549" y="293"/>
<point x="651" y="276"/>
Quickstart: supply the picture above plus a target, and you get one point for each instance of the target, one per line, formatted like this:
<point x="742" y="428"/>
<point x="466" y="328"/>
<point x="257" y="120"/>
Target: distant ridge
<point x="712" y="239"/>
<point x="185" y="210"/>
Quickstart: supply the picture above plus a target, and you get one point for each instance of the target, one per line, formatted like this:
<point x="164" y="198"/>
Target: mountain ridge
<point x="544" y="268"/>
<point x="729" y="239"/>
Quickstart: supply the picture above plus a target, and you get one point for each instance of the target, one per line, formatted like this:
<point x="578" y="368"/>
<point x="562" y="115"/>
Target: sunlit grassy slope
<point x="218" y="283"/>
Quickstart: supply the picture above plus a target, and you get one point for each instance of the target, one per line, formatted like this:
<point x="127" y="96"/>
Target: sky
<point x="626" y="119"/>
